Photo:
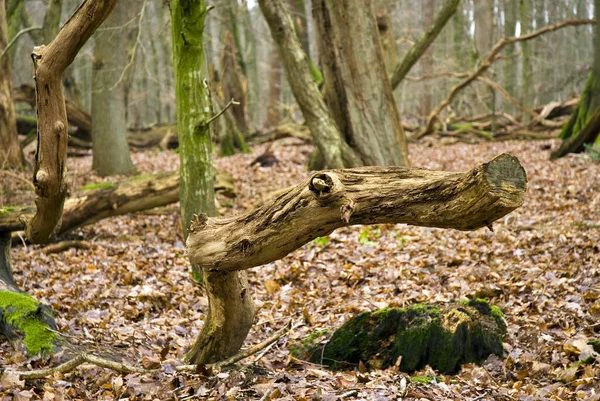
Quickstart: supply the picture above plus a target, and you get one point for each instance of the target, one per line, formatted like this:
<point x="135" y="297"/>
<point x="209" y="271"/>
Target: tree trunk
<point x="333" y="150"/>
<point x="484" y="39"/>
<point x="274" y="102"/>
<point x="510" y="72"/>
<point x="583" y="126"/>
<point x="11" y="155"/>
<point x="526" y="84"/>
<point x="110" y="151"/>
<point x="357" y="89"/>
<point x="234" y="84"/>
<point x="231" y="311"/>
<point x="383" y="16"/>
<point x="427" y="63"/>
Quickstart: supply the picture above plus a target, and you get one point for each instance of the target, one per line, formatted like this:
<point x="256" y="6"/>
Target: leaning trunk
<point x="584" y="125"/>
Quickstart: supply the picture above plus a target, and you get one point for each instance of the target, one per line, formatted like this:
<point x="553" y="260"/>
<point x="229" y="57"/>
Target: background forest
<point x="205" y="168"/>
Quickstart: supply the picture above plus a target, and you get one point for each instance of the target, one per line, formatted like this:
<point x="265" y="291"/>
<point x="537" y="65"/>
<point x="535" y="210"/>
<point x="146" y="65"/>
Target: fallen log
<point x="443" y="337"/>
<point x="576" y="143"/>
<point x="99" y="201"/>
<point x="370" y="195"/>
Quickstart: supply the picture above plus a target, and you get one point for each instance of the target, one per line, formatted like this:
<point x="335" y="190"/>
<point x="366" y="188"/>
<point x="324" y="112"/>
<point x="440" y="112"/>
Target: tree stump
<point x="443" y="337"/>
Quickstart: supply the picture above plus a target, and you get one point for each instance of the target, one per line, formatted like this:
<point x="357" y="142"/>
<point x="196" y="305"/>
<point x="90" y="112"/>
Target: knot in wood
<point x="59" y="127"/>
<point x="198" y="222"/>
<point x="321" y="184"/>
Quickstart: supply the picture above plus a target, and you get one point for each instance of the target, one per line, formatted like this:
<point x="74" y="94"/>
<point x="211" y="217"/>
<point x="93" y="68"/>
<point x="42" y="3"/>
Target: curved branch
<point x="371" y="195"/>
<point x="50" y="160"/>
<point x="487" y="62"/>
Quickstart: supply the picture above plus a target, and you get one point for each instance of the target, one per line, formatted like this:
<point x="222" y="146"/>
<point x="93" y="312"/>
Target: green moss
<point x="139" y="177"/>
<point x="321" y="241"/>
<point x="595" y="345"/>
<point x="301" y="350"/>
<point x="7" y="209"/>
<point x="471" y="128"/>
<point x="425" y="379"/>
<point x="98" y="185"/>
<point x="19" y="310"/>
<point x="423" y="334"/>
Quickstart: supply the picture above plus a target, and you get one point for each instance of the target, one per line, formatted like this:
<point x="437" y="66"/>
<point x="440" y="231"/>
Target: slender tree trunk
<point x="11" y="155"/>
<point x="357" y="89"/>
<point x="109" y="124"/>
<point x="526" y="84"/>
<point x="273" y="105"/>
<point x="510" y="25"/>
<point x="383" y="15"/>
<point x="427" y="7"/>
<point x="231" y="311"/>
<point x="484" y="37"/>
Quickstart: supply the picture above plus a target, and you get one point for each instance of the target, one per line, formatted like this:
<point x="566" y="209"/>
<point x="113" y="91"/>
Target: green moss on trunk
<point x="26" y="316"/>
<point x="442" y="337"/>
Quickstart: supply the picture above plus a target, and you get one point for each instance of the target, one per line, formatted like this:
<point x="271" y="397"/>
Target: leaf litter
<point x="131" y="296"/>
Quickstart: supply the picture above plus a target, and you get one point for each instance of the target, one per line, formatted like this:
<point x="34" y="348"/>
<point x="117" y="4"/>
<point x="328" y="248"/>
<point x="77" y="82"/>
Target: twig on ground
<point x="63" y="246"/>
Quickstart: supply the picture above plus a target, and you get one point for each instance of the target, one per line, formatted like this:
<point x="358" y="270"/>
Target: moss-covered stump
<point x="443" y="337"/>
<point x="22" y="317"/>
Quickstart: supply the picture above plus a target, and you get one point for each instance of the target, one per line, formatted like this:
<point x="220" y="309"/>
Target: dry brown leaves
<point x="131" y="295"/>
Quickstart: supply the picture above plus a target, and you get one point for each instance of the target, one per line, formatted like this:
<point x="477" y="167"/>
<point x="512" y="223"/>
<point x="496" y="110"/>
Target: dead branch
<point x="371" y="195"/>
<point x="63" y="246"/>
<point x="487" y="62"/>
<point x="125" y="368"/>
<point x="50" y="162"/>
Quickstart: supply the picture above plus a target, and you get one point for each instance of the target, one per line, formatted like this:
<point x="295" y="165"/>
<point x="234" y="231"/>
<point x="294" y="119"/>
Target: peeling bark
<point x="372" y="195"/>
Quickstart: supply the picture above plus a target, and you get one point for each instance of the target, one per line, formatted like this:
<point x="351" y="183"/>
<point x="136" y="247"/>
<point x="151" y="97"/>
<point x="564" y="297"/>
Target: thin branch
<point x="243" y="354"/>
<point x="228" y="105"/>
<point x="134" y="50"/>
<point x="420" y="46"/>
<point x="14" y="39"/>
<point x="80" y="360"/>
<point x="487" y="62"/>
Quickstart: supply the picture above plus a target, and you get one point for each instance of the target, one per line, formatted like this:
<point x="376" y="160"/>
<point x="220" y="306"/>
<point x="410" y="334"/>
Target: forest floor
<point x="131" y="294"/>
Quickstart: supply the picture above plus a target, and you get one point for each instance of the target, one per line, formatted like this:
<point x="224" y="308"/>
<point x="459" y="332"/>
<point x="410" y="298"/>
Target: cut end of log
<point x="507" y="179"/>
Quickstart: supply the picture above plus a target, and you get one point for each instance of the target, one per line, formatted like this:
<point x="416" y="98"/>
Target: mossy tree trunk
<point x="582" y="127"/>
<point x="11" y="155"/>
<point x="110" y="150"/>
<point x="231" y="310"/>
<point x="357" y="89"/>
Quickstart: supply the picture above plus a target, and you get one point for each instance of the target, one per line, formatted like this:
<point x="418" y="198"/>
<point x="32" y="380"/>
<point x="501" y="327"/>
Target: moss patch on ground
<point x="443" y="337"/>
<point x="23" y="313"/>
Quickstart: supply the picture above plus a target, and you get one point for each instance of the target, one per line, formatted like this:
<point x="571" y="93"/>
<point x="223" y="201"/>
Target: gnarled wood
<point x="371" y="195"/>
<point x="50" y="63"/>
